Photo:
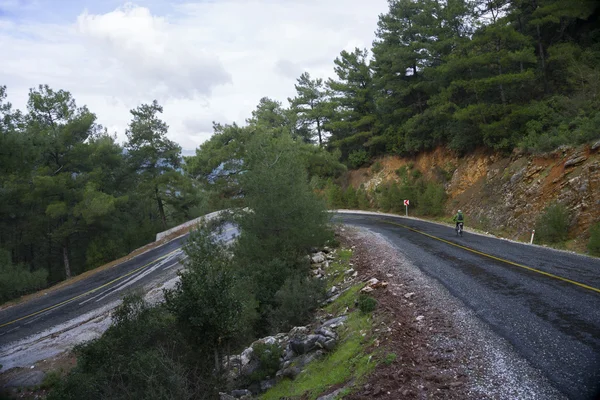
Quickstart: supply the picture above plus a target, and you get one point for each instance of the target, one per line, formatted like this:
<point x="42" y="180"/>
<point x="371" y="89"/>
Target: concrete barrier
<point x="188" y="224"/>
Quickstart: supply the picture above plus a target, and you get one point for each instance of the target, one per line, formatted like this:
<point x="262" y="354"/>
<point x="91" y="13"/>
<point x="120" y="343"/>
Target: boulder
<point x="333" y="290"/>
<point x="290" y="372"/>
<point x="332" y="395"/>
<point x="323" y="331"/>
<point x="268" y="384"/>
<point x="299" y="331"/>
<point x="318" y="258"/>
<point x="575" y="160"/>
<point x="225" y="396"/>
<point x="303" y="346"/>
<point x="240" y="393"/>
<point x="334" y="322"/>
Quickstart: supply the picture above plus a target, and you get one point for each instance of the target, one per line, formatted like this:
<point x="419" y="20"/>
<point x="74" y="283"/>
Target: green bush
<point x="366" y="303"/>
<point x="295" y="302"/>
<point x="334" y="196"/>
<point x="377" y="167"/>
<point x="268" y="356"/>
<point x="351" y="198"/>
<point x="432" y="200"/>
<point x="553" y="225"/>
<point x="363" y="199"/>
<point x="594" y="242"/>
<point x="358" y="158"/>
<point x="17" y="280"/>
<point x="141" y="356"/>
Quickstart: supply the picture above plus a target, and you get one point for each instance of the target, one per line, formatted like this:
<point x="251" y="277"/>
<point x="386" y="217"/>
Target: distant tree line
<point x="499" y="74"/>
<point x="71" y="198"/>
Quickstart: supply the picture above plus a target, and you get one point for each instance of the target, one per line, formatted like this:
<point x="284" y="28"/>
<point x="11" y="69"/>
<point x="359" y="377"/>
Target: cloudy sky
<point x="204" y="61"/>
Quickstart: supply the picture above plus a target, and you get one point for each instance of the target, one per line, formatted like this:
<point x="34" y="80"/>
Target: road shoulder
<point x="443" y="350"/>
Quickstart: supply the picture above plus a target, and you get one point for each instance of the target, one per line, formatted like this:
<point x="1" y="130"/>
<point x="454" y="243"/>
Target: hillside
<point x="506" y="195"/>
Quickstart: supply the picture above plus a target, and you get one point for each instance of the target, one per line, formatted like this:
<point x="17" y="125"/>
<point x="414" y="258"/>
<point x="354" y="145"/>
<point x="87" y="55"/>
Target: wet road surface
<point x="552" y="320"/>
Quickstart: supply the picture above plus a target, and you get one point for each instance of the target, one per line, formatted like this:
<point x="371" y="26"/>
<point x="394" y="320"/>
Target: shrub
<point x="594" y="242"/>
<point x="350" y="197"/>
<point x="553" y="225"/>
<point x="363" y="199"/>
<point x="334" y="196"/>
<point x="357" y="158"/>
<point x="141" y="356"/>
<point x="377" y="167"/>
<point x="295" y="301"/>
<point x="431" y="201"/>
<point x="268" y="356"/>
<point x="366" y="303"/>
<point x="17" y="280"/>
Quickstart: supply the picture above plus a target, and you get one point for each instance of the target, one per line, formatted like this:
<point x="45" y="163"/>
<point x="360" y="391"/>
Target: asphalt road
<point x="96" y="291"/>
<point x="23" y="320"/>
<point x="551" y="322"/>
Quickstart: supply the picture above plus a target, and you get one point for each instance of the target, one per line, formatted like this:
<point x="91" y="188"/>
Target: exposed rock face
<point x="509" y="193"/>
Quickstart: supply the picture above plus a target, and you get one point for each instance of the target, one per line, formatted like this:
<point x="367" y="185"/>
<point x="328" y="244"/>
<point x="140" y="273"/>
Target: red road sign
<point x="406" y="202"/>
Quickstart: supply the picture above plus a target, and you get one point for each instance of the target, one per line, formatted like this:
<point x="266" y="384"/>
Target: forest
<point x="503" y="75"/>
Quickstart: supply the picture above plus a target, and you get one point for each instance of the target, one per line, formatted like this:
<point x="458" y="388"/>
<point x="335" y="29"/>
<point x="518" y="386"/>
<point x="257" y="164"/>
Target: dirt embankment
<point x="506" y="195"/>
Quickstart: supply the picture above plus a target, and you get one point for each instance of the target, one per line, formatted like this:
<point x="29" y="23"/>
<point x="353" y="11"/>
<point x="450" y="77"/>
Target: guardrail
<point x="188" y="224"/>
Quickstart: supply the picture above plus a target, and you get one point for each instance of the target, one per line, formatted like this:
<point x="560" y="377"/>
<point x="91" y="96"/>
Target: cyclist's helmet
<point x="459" y="211"/>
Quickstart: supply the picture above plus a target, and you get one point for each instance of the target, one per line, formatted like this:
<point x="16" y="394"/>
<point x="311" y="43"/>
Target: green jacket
<point x="459" y="218"/>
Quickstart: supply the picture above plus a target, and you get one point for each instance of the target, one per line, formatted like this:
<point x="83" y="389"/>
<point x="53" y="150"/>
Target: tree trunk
<point x="217" y="366"/>
<point x="319" y="132"/>
<point x="501" y="87"/>
<point x="161" y="208"/>
<point x="541" y="51"/>
<point x="66" y="260"/>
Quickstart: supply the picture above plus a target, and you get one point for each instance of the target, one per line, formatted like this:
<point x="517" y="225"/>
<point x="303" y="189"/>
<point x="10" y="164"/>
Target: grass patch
<point x="346" y="300"/>
<point x="339" y="267"/>
<point x="348" y="362"/>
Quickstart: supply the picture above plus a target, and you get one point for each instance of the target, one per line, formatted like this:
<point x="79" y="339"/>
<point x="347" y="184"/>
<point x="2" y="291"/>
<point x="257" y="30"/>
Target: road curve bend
<point x="545" y="302"/>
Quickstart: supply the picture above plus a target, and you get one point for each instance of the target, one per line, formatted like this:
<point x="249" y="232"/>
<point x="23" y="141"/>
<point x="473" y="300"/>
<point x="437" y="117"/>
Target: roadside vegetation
<point x="228" y="294"/>
<point x="553" y="225"/>
<point x="464" y="74"/>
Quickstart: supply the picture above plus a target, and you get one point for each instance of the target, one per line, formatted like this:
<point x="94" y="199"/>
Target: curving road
<point x="60" y="308"/>
<point x="546" y="303"/>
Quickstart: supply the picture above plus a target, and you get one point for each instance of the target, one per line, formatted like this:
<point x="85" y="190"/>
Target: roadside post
<point x="406" y="202"/>
<point x="532" y="233"/>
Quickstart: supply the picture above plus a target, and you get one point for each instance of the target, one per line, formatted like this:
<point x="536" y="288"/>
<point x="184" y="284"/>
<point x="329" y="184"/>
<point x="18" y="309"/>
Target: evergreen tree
<point x="310" y="106"/>
<point x="153" y="156"/>
<point x="351" y="107"/>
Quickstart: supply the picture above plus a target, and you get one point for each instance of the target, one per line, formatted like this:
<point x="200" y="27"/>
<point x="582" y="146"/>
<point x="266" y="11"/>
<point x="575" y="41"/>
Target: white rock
<point x="246" y="356"/>
<point x="318" y="258"/>
<point x="372" y="281"/>
<point x="409" y="295"/>
<point x="420" y="318"/>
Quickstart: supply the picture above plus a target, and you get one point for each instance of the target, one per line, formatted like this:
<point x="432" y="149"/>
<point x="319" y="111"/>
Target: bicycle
<point x="459" y="229"/>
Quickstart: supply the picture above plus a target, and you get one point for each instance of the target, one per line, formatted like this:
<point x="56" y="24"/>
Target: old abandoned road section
<point x="550" y="312"/>
<point x="59" y="306"/>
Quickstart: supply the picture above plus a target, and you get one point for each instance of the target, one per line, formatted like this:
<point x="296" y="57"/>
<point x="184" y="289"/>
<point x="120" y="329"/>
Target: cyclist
<point x="459" y="219"/>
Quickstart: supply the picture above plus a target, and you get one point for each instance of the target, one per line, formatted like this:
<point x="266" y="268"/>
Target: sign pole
<point x="406" y="206"/>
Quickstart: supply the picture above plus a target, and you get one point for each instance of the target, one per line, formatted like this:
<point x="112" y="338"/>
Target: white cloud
<point x="204" y="61"/>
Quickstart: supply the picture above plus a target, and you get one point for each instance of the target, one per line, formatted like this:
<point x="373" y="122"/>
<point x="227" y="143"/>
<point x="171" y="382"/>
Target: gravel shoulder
<point x="442" y="348"/>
